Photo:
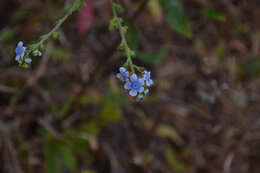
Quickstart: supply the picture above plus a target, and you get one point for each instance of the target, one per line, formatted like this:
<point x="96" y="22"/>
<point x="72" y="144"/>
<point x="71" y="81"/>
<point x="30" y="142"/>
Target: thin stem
<point x="57" y="26"/>
<point x="123" y="37"/>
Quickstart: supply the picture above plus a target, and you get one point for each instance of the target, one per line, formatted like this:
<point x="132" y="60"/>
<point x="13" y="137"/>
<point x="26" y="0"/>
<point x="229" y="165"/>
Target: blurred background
<point x="69" y="114"/>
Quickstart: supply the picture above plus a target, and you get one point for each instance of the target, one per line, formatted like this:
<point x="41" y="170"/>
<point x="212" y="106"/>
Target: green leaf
<point x="50" y="155"/>
<point x="113" y="24"/>
<point x="118" y="8"/>
<point x="173" y="161"/>
<point x="175" y="17"/>
<point x="154" y="57"/>
<point x="169" y="132"/>
<point x="78" y="4"/>
<point x="55" y="35"/>
<point x="91" y="127"/>
<point x="68" y="157"/>
<point x="214" y="15"/>
<point x="67" y="107"/>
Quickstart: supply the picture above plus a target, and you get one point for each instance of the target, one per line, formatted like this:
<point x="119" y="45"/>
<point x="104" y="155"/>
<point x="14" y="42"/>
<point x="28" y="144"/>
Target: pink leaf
<point x="85" y="18"/>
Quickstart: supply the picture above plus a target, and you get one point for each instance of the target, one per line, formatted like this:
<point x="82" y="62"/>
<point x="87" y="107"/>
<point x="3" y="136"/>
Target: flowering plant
<point x="137" y="86"/>
<point x="24" y="54"/>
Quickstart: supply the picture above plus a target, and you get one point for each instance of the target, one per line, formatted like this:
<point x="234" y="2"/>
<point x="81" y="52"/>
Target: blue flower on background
<point x="135" y="85"/>
<point x="20" y="50"/>
<point x="140" y="96"/>
<point x="147" y="78"/>
<point x="146" y="91"/>
<point x="123" y="75"/>
<point x="28" y="60"/>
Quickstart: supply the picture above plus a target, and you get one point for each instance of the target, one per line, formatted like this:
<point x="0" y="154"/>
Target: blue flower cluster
<point x="22" y="56"/>
<point x="137" y="86"/>
<point x="20" y="51"/>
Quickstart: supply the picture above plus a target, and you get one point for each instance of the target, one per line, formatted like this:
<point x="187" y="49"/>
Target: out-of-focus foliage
<point x="176" y="18"/>
<point x="69" y="113"/>
<point x="214" y="15"/>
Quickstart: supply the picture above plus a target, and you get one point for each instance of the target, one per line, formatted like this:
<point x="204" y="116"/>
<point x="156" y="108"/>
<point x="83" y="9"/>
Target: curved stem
<point x="57" y="26"/>
<point x="128" y="51"/>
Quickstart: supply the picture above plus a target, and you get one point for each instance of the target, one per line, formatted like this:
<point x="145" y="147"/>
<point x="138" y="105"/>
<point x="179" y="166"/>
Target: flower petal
<point x="20" y="44"/>
<point x="146" y="91"/>
<point x="127" y="85"/>
<point x="17" y="57"/>
<point x="118" y="75"/>
<point x="133" y="93"/>
<point x="141" y="81"/>
<point x="140" y="96"/>
<point x="122" y="69"/>
<point x="28" y="60"/>
<point x="141" y="89"/>
<point x="134" y="77"/>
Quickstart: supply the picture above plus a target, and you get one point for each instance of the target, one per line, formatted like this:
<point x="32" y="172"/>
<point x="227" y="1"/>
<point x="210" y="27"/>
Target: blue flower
<point x="123" y="75"/>
<point x="147" y="78"/>
<point x="140" y="96"/>
<point x="20" y="50"/>
<point x="28" y="60"/>
<point x="135" y="85"/>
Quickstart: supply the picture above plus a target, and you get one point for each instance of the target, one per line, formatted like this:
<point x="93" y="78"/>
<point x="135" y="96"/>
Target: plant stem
<point x="124" y="41"/>
<point x="57" y="26"/>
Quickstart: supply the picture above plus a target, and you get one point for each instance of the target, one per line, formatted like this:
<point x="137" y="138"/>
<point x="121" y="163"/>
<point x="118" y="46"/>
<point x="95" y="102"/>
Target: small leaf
<point x="175" y="17"/>
<point x="154" y="57"/>
<point x="214" y="15"/>
<point x="173" y="161"/>
<point x="50" y="155"/>
<point x="78" y="4"/>
<point x="110" y="114"/>
<point x="68" y="157"/>
<point x="168" y="131"/>
<point x="67" y="107"/>
<point x="156" y="10"/>
<point x="113" y="24"/>
<point x="118" y="8"/>
<point x="55" y="35"/>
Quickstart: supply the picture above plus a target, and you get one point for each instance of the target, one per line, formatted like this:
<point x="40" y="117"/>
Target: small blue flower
<point x="147" y="78"/>
<point x="20" y="50"/>
<point x="123" y="75"/>
<point x="140" y="96"/>
<point x="135" y="85"/>
<point x="28" y="60"/>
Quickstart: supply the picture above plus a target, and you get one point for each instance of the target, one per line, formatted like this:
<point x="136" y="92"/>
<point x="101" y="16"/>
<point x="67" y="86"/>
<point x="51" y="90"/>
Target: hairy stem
<point x="128" y="51"/>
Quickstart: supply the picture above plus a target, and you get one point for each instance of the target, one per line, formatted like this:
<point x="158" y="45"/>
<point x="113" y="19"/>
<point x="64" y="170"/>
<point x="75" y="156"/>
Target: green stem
<point x="57" y="26"/>
<point x="129" y="61"/>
